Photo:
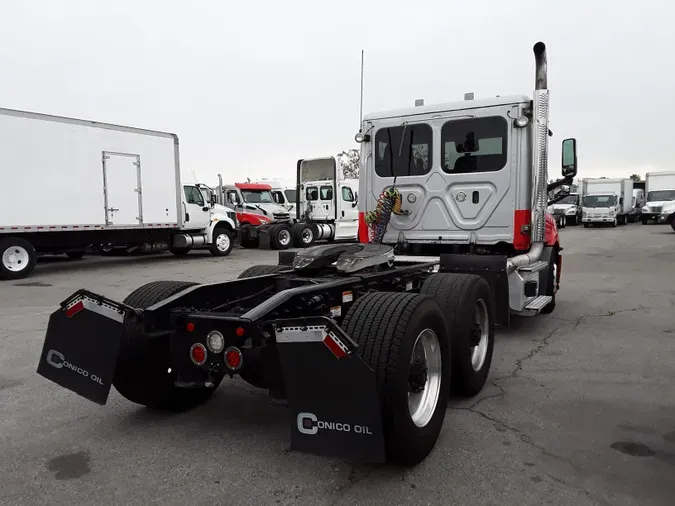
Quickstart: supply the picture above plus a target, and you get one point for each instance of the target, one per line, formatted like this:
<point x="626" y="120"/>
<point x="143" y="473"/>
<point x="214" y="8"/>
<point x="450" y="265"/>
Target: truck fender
<point x="215" y="222"/>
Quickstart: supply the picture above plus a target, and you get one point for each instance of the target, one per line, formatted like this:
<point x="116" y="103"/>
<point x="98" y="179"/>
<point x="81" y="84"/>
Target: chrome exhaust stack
<point x="220" y="198"/>
<point x="539" y="161"/>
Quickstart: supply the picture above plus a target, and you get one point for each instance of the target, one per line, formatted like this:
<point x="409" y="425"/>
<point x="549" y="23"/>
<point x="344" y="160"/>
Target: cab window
<point x="403" y="151"/>
<point x="474" y="145"/>
<point x="278" y="197"/>
<point x="193" y="195"/>
<point x="233" y="198"/>
<point x="312" y="193"/>
<point x="347" y="194"/>
<point x="326" y="193"/>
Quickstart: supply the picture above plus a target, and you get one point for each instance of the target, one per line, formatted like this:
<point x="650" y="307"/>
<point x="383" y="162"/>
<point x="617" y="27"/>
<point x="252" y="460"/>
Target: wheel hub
<point x="418" y="376"/>
<point x="15" y="258"/>
<point x="476" y="333"/>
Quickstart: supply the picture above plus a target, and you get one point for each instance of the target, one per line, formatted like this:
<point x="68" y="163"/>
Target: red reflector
<point x="198" y="353"/>
<point x="233" y="358"/>
<point x="335" y="345"/>
<point x="74" y="309"/>
<point x="239" y="331"/>
<point x="190" y="327"/>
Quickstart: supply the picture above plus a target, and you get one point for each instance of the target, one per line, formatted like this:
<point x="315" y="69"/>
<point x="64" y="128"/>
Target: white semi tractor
<point x="660" y="197"/>
<point x="606" y="201"/>
<point x="94" y="183"/>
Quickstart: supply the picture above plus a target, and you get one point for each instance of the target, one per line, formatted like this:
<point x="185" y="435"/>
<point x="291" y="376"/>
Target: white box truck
<point x="606" y="201"/>
<point x="660" y="197"/>
<point x="69" y="184"/>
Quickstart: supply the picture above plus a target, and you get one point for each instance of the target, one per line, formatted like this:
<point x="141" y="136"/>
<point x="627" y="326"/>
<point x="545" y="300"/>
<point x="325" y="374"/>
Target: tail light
<point x="233" y="358"/>
<point x="198" y="354"/>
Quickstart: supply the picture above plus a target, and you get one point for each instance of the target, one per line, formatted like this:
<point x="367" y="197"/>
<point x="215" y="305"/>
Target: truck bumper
<point x="332" y="393"/>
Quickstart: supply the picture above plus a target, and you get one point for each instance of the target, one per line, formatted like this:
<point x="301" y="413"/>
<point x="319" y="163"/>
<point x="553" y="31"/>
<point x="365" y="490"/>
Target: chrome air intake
<point x="539" y="161"/>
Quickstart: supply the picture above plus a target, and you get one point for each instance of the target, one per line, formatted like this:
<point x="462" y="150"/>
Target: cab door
<point x="197" y="215"/>
<point x="347" y="223"/>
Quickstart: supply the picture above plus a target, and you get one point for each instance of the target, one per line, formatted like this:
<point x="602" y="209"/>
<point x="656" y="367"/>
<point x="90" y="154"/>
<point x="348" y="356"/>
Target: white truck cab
<point x="327" y="202"/>
<point x="567" y="211"/>
<point x="284" y="193"/>
<point x="606" y="201"/>
<point x="660" y="197"/>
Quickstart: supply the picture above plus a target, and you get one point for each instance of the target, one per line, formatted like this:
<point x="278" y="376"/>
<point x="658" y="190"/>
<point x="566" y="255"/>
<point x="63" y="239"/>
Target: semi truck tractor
<point x="364" y="341"/>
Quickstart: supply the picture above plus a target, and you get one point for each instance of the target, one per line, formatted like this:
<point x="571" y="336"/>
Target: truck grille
<point x="281" y="216"/>
<point x="656" y="209"/>
<point x="558" y="211"/>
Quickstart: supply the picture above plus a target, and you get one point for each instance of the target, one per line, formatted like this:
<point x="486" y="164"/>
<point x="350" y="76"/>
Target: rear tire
<point x="141" y="373"/>
<point x="75" y="255"/>
<point x="280" y="236"/>
<point x="391" y="329"/>
<point x="17" y="258"/>
<point x="586" y="225"/>
<point x="262" y="270"/>
<point x="223" y="242"/>
<point x="304" y="235"/>
<point x="460" y="296"/>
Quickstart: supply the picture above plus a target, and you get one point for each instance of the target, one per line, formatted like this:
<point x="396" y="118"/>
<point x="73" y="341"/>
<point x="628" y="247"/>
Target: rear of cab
<point x="459" y="168"/>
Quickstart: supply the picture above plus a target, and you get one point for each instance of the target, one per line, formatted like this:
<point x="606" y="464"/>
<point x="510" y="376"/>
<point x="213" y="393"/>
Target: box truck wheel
<point x="143" y="374"/>
<point x="17" y="258"/>
<point x="223" y="241"/>
<point x="403" y="338"/>
<point x="179" y="252"/>
<point x="468" y="306"/>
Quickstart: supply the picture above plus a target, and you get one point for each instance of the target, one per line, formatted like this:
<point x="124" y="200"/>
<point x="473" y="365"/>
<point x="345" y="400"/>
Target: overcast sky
<point x="250" y="87"/>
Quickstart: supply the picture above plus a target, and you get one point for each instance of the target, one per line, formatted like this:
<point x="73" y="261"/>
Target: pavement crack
<point x="577" y="488"/>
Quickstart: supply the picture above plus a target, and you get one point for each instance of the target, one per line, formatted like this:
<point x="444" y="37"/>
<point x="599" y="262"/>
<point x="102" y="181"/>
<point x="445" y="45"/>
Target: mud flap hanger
<point x="332" y="393"/>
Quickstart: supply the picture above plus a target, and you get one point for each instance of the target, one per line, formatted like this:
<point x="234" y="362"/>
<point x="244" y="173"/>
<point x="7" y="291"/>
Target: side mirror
<point x="569" y="158"/>
<point x="213" y="199"/>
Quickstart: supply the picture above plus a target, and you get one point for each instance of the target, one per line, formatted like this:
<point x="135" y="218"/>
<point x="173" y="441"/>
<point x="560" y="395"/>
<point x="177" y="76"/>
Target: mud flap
<point x="81" y="346"/>
<point x="332" y="393"/>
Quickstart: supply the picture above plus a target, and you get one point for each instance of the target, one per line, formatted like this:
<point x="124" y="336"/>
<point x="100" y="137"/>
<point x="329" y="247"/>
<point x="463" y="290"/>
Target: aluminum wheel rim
<point x="482" y="321"/>
<point x="15" y="258"/>
<point x="422" y="404"/>
<point x="223" y="242"/>
<point x="284" y="237"/>
<point x="307" y="235"/>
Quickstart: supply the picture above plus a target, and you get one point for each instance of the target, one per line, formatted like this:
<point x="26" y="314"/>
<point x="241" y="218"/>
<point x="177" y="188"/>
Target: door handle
<point x="113" y="209"/>
<point x="343" y="214"/>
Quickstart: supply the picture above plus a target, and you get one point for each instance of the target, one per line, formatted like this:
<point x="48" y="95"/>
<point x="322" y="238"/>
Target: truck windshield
<point x="257" y="196"/>
<point x="658" y="195"/>
<point x="291" y="195"/>
<point x="599" y="201"/>
<point x="570" y="199"/>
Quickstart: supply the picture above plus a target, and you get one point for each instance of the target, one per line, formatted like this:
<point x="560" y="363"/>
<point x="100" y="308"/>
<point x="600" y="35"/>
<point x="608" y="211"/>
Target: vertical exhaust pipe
<point x="221" y="198"/>
<point x="539" y="161"/>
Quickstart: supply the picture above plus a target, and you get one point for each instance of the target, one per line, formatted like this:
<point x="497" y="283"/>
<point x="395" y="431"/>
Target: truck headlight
<point x="572" y="210"/>
<point x="645" y="209"/>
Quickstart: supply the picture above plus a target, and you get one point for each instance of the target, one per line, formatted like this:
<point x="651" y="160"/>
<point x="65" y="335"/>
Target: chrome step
<point x="535" y="267"/>
<point x="538" y="302"/>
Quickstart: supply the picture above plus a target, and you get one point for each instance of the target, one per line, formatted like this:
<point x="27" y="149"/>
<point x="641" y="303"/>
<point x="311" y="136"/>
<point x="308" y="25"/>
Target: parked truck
<point x="606" y="201"/>
<point x="95" y="183"/>
<point x="566" y="210"/>
<point x="284" y="192"/>
<point x="364" y="341"/>
<point x="660" y="198"/>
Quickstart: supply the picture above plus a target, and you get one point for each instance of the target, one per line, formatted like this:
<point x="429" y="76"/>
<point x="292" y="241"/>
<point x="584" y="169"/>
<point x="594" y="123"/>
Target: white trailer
<point x="608" y="201"/>
<point x="660" y="197"/>
<point x="93" y="183"/>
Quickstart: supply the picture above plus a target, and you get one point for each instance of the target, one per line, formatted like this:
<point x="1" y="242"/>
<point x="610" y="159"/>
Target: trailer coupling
<point x="332" y="393"/>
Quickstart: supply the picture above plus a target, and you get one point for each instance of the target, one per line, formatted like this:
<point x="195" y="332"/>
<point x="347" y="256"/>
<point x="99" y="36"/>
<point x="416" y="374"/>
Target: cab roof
<point x="449" y="106"/>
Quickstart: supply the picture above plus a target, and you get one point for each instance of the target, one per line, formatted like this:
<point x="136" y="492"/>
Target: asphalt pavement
<point x="579" y="407"/>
